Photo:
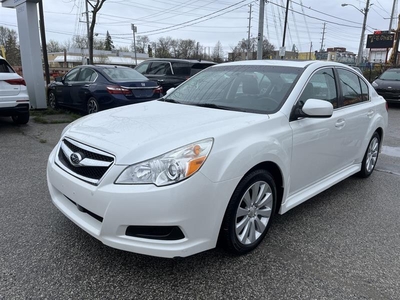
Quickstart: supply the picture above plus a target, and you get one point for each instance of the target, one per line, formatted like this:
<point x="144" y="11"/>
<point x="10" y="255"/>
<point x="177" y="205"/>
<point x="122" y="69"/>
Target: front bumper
<point x="196" y="206"/>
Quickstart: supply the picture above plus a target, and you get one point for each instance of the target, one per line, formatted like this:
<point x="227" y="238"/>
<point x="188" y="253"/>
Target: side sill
<point x="317" y="188"/>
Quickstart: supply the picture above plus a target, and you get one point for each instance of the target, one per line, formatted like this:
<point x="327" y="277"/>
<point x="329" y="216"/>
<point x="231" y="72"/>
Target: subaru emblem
<point x="76" y="159"/>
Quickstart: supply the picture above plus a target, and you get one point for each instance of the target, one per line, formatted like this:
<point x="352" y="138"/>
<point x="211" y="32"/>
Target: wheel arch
<point x="277" y="175"/>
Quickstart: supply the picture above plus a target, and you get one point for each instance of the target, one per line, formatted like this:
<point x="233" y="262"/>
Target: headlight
<point x="374" y="84"/>
<point x="169" y="168"/>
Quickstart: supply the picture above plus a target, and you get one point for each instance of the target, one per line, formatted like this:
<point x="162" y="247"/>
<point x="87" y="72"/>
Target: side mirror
<point x="316" y="108"/>
<point x="170" y="91"/>
<point x="312" y="108"/>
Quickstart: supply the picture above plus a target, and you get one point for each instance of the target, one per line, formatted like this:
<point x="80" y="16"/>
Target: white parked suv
<point x="14" y="99"/>
<point x="217" y="157"/>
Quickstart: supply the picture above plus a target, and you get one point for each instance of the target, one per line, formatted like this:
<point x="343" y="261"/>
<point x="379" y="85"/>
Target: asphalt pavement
<point x="341" y="244"/>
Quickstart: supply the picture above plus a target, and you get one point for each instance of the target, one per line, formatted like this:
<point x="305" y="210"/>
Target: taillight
<point x="387" y="106"/>
<point x="18" y="81"/>
<point x="115" y="89"/>
<point x="158" y="90"/>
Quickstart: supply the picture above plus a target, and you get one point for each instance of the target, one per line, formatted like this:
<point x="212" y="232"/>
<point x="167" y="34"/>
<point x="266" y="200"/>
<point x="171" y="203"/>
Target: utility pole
<point x="392" y="15"/>
<point x="134" y="30"/>
<point x="285" y="25"/>
<point x="361" y="47"/>
<point x="260" y="30"/>
<point x="87" y="25"/>
<point x="248" y="35"/>
<point x="323" y="38"/>
<point x="309" y="57"/>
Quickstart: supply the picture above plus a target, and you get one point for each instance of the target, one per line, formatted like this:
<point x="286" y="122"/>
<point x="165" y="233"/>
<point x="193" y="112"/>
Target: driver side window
<point x="71" y="75"/>
<point x="321" y="86"/>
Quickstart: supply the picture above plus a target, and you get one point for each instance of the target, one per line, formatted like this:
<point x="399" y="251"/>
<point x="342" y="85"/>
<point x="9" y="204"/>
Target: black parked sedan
<point x="388" y="85"/>
<point x="93" y="88"/>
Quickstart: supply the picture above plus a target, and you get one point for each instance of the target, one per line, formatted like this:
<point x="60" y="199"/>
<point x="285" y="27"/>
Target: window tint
<point x="159" y="68"/>
<point x="321" y="86"/>
<point x="181" y="68"/>
<point x="142" y="68"/>
<point x="196" y="68"/>
<point x="87" y="75"/>
<point x="5" y="67"/>
<point x="351" y="87"/>
<point x="364" y="90"/>
<point x="71" y="75"/>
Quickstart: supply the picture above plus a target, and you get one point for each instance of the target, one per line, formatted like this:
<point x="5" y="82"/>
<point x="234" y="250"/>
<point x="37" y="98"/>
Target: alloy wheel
<point x="372" y="154"/>
<point x="254" y="212"/>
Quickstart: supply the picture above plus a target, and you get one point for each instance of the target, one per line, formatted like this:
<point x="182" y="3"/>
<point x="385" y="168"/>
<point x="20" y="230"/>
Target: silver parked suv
<point x="14" y="99"/>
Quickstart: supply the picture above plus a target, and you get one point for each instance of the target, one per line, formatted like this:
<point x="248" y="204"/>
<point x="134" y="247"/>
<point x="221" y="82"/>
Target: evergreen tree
<point x="108" y="45"/>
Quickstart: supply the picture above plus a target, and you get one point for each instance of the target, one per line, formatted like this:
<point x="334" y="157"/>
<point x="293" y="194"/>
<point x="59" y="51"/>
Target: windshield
<point x="124" y="74"/>
<point x="393" y="74"/>
<point x="261" y="89"/>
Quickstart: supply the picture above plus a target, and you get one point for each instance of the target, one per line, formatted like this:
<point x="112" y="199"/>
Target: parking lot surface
<point x="341" y="244"/>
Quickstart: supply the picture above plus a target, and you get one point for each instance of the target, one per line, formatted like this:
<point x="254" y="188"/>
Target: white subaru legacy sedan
<point x="218" y="157"/>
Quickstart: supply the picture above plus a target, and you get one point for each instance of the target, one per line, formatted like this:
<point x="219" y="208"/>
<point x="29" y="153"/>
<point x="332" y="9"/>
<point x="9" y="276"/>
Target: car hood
<point x="138" y="132"/>
<point x="387" y="84"/>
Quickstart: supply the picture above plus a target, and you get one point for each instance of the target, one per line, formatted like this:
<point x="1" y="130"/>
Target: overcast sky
<point x="210" y="21"/>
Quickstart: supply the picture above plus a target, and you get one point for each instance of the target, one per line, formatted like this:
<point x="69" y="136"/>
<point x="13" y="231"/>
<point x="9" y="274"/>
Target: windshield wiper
<point x="169" y="100"/>
<point x="212" y="105"/>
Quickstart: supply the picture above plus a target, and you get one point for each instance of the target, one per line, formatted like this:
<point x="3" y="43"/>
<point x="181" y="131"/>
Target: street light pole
<point x="361" y="46"/>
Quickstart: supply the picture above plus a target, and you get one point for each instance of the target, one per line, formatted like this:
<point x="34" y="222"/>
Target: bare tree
<point x="218" y="53"/>
<point x="96" y="7"/>
<point x="9" y="40"/>
<point x="141" y="43"/>
<point x="164" y="47"/>
<point x="54" y="46"/>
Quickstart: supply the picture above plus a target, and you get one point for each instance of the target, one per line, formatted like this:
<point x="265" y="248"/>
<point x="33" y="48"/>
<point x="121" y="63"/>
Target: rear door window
<point x="181" y="68"/>
<point x="351" y="87"/>
<point x="159" y="68"/>
<point x="5" y="67"/>
<point x="196" y="68"/>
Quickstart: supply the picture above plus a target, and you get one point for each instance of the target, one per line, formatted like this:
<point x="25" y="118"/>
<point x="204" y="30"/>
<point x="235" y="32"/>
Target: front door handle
<point x="340" y="123"/>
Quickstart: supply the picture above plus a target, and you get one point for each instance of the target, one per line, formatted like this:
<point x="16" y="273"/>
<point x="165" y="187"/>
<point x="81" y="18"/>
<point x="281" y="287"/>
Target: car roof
<point x="194" y="61"/>
<point x="103" y="66"/>
<point x="283" y="63"/>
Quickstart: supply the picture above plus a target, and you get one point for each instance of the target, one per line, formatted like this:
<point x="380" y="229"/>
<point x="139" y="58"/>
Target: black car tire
<point x="92" y="106"/>
<point x="21" y="118"/>
<point x="370" y="157"/>
<point x="52" y="100"/>
<point x="247" y="212"/>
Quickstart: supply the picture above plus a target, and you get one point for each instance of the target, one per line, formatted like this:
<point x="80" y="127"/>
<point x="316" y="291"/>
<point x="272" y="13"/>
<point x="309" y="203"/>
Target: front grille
<point x="91" y="164"/>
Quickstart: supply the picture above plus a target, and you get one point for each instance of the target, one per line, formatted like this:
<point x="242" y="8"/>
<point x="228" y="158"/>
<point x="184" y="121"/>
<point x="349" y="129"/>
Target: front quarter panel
<point x="234" y="154"/>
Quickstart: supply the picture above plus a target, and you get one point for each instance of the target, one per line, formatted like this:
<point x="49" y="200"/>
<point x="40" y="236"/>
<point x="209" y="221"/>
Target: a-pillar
<point x="29" y="40"/>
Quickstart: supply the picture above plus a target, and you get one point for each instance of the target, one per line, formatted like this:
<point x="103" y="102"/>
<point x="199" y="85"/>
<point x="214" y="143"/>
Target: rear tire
<point x="92" y="106"/>
<point x="249" y="212"/>
<point x="21" y="118"/>
<point x="371" y="156"/>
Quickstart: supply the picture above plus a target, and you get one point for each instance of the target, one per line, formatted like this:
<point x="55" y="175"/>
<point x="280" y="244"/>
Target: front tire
<point x="53" y="100"/>
<point x="21" y="118"/>
<point x="92" y="106"/>
<point x="249" y="212"/>
<point x="370" y="157"/>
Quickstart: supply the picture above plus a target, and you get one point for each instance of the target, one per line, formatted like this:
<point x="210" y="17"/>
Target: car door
<point x="357" y="113"/>
<point x="317" y="142"/>
<point x="80" y="90"/>
<point x="63" y="91"/>
<point x="161" y="71"/>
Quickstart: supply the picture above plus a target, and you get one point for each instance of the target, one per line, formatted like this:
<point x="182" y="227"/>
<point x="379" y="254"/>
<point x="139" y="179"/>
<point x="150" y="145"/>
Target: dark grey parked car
<point x="171" y="72"/>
